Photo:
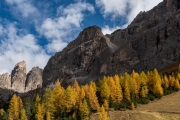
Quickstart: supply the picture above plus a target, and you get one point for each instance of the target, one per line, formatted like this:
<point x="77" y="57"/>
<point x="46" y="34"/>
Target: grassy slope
<point x="166" y="108"/>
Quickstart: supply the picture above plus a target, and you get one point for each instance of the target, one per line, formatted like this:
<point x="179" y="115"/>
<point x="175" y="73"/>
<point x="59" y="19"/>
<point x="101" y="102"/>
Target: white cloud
<point x="24" y="7"/>
<point x="57" y="30"/>
<point x="126" y="8"/>
<point x="16" y="46"/>
<point x="107" y="30"/>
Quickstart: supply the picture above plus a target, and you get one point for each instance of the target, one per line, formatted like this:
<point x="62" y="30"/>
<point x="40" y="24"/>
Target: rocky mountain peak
<point x="150" y="41"/>
<point x="86" y="35"/>
<point x="21" y="82"/>
<point x="18" y="77"/>
<point x="21" y="64"/>
<point x="33" y="79"/>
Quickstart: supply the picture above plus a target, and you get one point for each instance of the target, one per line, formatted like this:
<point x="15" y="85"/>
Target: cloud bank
<point x="57" y="30"/>
<point x="16" y="46"/>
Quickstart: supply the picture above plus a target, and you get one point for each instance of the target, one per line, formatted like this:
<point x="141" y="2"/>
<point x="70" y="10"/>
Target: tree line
<point x="78" y="102"/>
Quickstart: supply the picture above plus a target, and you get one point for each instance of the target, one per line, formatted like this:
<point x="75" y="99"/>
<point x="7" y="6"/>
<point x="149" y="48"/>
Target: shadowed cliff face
<point x="151" y="41"/>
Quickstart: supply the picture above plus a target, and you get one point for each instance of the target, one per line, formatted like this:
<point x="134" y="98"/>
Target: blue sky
<point x="34" y="30"/>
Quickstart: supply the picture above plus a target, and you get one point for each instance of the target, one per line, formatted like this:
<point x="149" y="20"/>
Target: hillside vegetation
<point x="109" y="94"/>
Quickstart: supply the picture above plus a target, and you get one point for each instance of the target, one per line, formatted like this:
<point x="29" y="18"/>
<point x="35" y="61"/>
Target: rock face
<point x="33" y="79"/>
<point x="152" y="40"/>
<point x="21" y="82"/>
<point x="18" y="77"/>
<point x="5" y="81"/>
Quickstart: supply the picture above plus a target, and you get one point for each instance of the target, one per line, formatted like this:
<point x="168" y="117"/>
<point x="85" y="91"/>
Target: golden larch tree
<point x="119" y="94"/>
<point x="104" y="89"/>
<point x="127" y="87"/>
<point x="59" y="93"/>
<point x="84" y="108"/>
<point x="93" y="100"/>
<point x="69" y="98"/>
<point x="103" y="114"/>
<point x="49" y="102"/>
<point x="112" y="88"/>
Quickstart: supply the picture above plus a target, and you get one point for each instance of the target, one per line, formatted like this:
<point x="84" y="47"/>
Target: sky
<point x="34" y="30"/>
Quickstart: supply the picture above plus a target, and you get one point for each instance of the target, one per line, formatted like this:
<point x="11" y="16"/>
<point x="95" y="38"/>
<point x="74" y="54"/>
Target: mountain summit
<point x="151" y="41"/>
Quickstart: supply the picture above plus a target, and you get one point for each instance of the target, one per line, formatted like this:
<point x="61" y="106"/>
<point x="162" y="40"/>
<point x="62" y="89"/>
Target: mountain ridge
<point x="150" y="41"/>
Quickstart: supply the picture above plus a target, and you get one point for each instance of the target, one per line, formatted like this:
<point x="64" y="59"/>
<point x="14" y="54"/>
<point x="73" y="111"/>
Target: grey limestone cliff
<point x="19" y="81"/>
<point x="33" y="79"/>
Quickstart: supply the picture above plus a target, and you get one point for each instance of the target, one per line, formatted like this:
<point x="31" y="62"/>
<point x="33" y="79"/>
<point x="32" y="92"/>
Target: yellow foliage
<point x="104" y="89"/>
<point x="103" y="114"/>
<point x="2" y="112"/>
<point x="58" y="92"/>
<point x="48" y="116"/>
<point x="119" y="95"/>
<point x="106" y="104"/>
<point x="135" y="83"/>
<point x="16" y="110"/>
<point x="144" y="91"/>
<point x="69" y="98"/>
<point x="166" y="82"/>
<point x="126" y="87"/>
<point x="93" y="100"/>
<point x="112" y="88"/>
<point x="176" y="84"/>
<point x="23" y="114"/>
<point x="84" y="109"/>
<point x="39" y="108"/>
<point x="49" y="102"/>
<point x="39" y="112"/>
<point x="132" y="106"/>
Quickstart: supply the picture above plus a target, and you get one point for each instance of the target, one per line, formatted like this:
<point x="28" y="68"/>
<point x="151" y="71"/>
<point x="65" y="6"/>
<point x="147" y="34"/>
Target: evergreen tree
<point x="135" y="84"/>
<point x="171" y="81"/>
<point x="14" y="108"/>
<point x="84" y="108"/>
<point x="157" y="88"/>
<point x="59" y="93"/>
<point x="118" y="94"/>
<point x="176" y="84"/>
<point x="93" y="100"/>
<point x="166" y="82"/>
<point x="39" y="112"/>
<point x="104" y="89"/>
<point x="126" y="87"/>
<point x="49" y="100"/>
<point x="103" y="114"/>
<point x="39" y="108"/>
<point x="69" y="98"/>
<point x="112" y="88"/>
<point x="144" y="89"/>
<point x="23" y="115"/>
<point x="48" y="116"/>
<point x="106" y="104"/>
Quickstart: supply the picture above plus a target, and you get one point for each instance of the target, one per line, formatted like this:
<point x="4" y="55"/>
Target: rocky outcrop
<point x="33" y="79"/>
<point x="5" y="81"/>
<point x="18" y="77"/>
<point x="21" y="82"/>
<point x="151" y="41"/>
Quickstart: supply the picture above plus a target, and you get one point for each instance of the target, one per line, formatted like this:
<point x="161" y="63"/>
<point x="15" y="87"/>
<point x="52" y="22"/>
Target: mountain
<point x="20" y="81"/>
<point x="151" y="41"/>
